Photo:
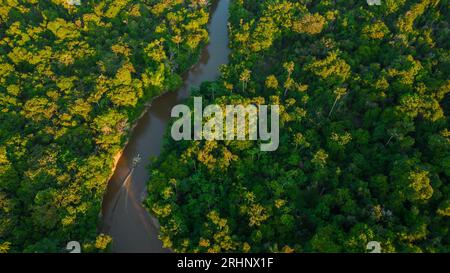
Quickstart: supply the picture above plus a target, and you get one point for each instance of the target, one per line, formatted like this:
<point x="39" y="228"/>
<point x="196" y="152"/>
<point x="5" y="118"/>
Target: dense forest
<point x="73" y="79"/>
<point x="364" y="134"/>
<point x="364" y="149"/>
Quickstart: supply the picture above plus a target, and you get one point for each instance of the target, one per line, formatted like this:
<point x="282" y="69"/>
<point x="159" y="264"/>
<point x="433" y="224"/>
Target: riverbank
<point x="124" y="218"/>
<point x="150" y="101"/>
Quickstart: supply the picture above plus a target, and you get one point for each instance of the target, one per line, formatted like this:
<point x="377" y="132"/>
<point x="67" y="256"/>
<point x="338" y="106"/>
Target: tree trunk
<point x="332" y="108"/>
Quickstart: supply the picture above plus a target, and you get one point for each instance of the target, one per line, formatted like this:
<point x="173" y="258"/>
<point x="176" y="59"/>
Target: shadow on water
<point x="132" y="228"/>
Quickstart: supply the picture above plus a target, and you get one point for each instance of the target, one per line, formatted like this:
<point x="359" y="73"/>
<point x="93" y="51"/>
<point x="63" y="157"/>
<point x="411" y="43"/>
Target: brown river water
<point x="124" y="218"/>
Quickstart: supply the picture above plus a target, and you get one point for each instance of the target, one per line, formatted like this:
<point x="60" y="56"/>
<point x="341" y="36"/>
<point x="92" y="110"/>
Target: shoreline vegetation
<point x="363" y="92"/>
<point x="74" y="81"/>
<point x="145" y="108"/>
<point x="149" y="103"/>
<point x="364" y="147"/>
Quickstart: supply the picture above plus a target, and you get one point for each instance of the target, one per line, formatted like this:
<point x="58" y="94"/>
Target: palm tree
<point x="177" y="39"/>
<point x="245" y="77"/>
<point x="339" y="92"/>
<point x="289" y="66"/>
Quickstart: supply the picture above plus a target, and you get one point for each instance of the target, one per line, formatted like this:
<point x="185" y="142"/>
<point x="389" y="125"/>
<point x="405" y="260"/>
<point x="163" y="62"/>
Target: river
<point x="124" y="218"/>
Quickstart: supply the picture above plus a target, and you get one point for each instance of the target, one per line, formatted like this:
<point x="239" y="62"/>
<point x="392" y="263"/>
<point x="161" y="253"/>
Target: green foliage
<point x="72" y="80"/>
<point x="364" y="148"/>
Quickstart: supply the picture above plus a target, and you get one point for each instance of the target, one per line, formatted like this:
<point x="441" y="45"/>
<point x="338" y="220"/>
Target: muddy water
<point x="124" y="218"/>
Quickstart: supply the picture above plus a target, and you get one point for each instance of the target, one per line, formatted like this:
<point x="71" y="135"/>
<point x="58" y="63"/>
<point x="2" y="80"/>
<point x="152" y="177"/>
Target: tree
<point x="244" y="78"/>
<point x="272" y="82"/>
<point x="375" y="172"/>
<point x="418" y="186"/>
<point x="310" y="24"/>
<point x="339" y="92"/>
<point x="71" y="81"/>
